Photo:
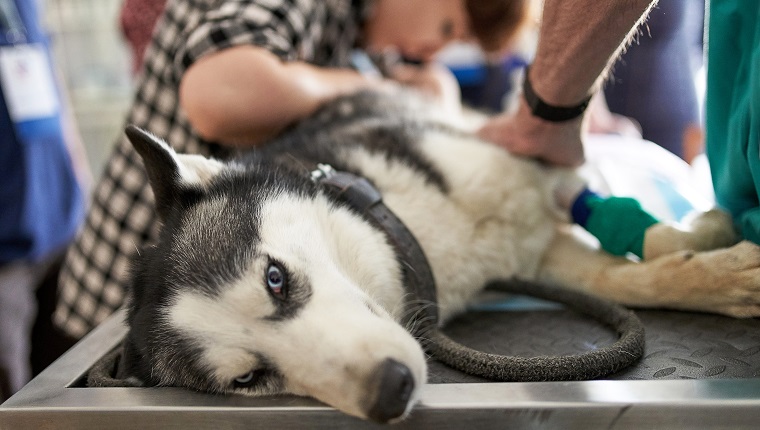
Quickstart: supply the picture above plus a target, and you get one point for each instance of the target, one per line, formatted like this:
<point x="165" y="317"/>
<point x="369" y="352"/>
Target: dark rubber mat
<point x="679" y="345"/>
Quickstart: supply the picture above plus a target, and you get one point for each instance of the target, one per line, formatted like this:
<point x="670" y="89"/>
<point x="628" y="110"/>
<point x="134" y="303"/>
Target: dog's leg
<point x="725" y="281"/>
<point x="708" y="230"/>
<point x="703" y="232"/>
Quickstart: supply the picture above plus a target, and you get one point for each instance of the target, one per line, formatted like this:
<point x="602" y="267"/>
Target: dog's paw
<point x="705" y="231"/>
<point x="724" y="281"/>
<point x="713" y="229"/>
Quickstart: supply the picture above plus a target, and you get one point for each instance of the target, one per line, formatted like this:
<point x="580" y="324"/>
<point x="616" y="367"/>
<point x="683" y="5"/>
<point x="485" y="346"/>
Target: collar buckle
<point x="322" y="172"/>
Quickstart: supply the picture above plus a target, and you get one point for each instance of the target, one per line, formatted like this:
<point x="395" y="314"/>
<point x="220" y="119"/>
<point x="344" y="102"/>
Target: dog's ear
<point x="168" y="172"/>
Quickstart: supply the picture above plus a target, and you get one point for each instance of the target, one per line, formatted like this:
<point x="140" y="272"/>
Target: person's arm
<point x="577" y="41"/>
<point x="243" y="95"/>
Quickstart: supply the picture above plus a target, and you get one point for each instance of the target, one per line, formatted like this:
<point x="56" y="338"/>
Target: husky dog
<point x="262" y="282"/>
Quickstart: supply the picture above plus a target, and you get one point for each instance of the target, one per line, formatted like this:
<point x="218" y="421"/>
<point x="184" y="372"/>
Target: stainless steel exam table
<point x="699" y="371"/>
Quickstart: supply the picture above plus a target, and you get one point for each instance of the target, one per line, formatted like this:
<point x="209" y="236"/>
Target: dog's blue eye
<point x="248" y="380"/>
<point x="245" y="379"/>
<point x="276" y="281"/>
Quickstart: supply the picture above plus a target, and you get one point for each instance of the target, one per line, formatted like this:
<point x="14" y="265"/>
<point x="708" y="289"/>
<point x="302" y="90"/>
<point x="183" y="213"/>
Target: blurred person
<point x="220" y="77"/>
<point x="137" y="19"/>
<point x="653" y="81"/>
<point x="41" y="197"/>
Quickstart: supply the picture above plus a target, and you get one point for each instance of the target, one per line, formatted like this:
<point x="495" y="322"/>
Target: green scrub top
<point x="732" y="109"/>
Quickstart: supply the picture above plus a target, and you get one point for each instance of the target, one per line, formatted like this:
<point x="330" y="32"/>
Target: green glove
<point x="619" y="223"/>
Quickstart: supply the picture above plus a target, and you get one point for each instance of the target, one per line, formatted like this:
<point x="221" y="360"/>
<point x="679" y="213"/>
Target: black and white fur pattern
<point x="261" y="283"/>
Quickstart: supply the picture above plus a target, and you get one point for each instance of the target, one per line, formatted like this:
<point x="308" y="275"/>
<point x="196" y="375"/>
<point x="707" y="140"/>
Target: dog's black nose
<point x="396" y="386"/>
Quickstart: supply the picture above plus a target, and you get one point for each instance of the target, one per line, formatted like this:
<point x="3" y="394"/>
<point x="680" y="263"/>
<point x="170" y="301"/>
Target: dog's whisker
<point x="413" y="312"/>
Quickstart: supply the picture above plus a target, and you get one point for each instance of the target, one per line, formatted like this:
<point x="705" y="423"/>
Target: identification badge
<point x="28" y="84"/>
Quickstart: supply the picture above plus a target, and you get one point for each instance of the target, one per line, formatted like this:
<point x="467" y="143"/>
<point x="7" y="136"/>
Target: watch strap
<point x="549" y="112"/>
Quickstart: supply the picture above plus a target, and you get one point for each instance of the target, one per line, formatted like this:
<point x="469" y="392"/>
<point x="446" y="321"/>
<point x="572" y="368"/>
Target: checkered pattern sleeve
<point x="278" y="26"/>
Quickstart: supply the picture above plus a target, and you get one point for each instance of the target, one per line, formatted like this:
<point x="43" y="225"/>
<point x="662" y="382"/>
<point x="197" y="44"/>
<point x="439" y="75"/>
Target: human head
<point x="495" y="23"/>
<point x="418" y="29"/>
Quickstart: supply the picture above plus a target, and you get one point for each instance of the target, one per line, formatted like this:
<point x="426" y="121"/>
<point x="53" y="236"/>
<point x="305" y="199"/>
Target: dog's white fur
<point x="342" y="337"/>
<point x="500" y="219"/>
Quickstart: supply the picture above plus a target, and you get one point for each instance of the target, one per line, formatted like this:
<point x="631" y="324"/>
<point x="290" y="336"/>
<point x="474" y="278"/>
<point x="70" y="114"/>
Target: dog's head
<point x="259" y="284"/>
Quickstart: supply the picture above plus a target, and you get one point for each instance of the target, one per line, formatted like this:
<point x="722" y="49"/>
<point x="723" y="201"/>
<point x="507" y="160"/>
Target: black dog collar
<point x="421" y="312"/>
<point x="546" y="111"/>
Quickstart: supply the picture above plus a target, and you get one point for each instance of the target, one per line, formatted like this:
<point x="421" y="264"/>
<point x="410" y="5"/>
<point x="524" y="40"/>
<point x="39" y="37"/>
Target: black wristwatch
<point x="546" y="111"/>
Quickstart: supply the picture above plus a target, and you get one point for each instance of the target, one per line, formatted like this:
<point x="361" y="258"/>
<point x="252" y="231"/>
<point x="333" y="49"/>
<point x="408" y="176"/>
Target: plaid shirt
<point x="121" y="219"/>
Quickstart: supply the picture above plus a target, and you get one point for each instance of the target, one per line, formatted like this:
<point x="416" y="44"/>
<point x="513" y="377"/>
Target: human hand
<point x="521" y="133"/>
